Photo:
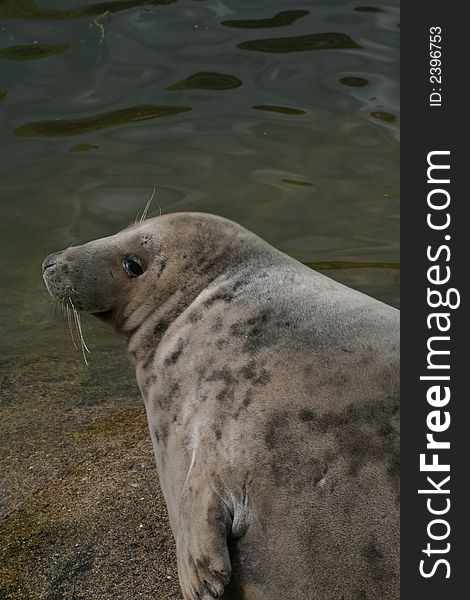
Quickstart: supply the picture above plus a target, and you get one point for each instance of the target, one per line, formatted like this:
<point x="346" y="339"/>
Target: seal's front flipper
<point x="201" y="543"/>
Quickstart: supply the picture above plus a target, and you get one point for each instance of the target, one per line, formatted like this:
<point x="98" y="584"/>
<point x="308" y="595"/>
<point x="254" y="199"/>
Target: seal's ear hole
<point x="132" y="266"/>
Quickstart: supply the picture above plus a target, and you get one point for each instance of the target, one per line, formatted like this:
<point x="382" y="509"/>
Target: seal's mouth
<point x="59" y="292"/>
<point x="106" y="315"/>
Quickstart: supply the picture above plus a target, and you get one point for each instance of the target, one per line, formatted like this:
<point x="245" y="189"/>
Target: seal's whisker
<point x="58" y="307"/>
<point x="82" y="341"/>
<point x="147" y="206"/>
<point x="72" y="313"/>
<point x="69" y="321"/>
<point x="78" y="325"/>
<point x="79" y="321"/>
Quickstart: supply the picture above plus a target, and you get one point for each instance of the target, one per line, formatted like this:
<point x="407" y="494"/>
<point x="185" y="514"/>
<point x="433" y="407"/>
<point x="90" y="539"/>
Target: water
<point x="280" y="115"/>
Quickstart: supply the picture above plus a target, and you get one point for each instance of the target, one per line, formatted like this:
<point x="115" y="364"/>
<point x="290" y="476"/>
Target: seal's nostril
<point x="50" y="260"/>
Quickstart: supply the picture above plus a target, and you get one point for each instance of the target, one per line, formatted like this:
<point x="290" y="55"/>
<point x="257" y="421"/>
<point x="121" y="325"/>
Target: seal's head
<point x="163" y="261"/>
<point x="99" y="276"/>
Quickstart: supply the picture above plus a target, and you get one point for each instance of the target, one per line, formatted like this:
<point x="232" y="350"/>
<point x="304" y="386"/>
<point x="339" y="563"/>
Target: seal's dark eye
<point x="132" y="266"/>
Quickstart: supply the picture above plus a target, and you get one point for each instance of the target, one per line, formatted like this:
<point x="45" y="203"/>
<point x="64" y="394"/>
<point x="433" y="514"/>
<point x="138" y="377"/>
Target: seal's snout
<point x="51" y="260"/>
<point x="54" y="277"/>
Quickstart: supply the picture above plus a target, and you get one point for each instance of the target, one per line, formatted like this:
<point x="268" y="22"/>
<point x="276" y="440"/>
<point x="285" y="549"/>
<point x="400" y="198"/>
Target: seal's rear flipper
<point x="201" y="542"/>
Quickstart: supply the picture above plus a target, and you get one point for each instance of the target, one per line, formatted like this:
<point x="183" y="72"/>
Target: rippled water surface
<point x="282" y="115"/>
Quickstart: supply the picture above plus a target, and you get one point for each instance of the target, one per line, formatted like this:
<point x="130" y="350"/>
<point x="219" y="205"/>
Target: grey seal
<point x="272" y="400"/>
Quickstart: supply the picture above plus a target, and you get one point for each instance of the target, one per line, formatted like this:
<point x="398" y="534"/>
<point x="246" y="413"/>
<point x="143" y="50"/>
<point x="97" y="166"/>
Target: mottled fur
<point x="272" y="400"/>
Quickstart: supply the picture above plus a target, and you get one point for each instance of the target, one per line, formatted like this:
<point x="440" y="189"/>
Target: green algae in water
<point x="32" y="51"/>
<point x="285" y="110"/>
<point x="123" y="116"/>
<point x="282" y="19"/>
<point x="299" y="182"/>
<point x="384" y="116"/>
<point x="207" y="81"/>
<point x="3" y="95"/>
<point x="354" y="81"/>
<point x="301" y="43"/>
<point x="83" y="148"/>
<point x="28" y="9"/>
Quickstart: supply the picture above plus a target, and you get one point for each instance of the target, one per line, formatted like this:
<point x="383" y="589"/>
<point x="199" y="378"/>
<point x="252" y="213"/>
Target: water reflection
<point x="207" y="81"/>
<point x="345" y="264"/>
<point x="301" y="43"/>
<point x="383" y="116"/>
<point x="87" y="124"/>
<point x="371" y="9"/>
<point x="28" y="9"/>
<point x="300" y="182"/>
<point x="354" y="81"/>
<point x="83" y="148"/>
<point x="282" y="19"/>
<point x="32" y="51"/>
<point x="285" y="110"/>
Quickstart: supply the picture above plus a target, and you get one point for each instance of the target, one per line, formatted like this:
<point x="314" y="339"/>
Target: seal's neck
<point x="145" y="336"/>
<point x="190" y="269"/>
